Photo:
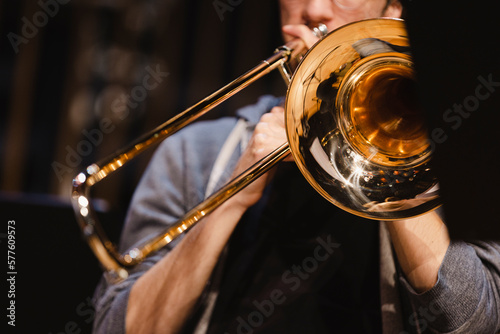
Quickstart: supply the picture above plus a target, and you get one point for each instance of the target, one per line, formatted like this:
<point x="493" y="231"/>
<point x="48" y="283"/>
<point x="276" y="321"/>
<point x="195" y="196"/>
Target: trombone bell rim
<point x="332" y="145"/>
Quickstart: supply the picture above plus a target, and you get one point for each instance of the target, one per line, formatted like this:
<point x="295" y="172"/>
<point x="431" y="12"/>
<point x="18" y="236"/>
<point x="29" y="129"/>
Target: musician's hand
<point x="269" y="134"/>
<point x="300" y="31"/>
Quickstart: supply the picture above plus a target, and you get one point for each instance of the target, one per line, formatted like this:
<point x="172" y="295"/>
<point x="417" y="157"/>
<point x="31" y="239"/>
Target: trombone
<point x="353" y="125"/>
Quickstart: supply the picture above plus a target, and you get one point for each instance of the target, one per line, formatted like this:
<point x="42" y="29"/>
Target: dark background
<point x="456" y="48"/>
<point x="59" y="81"/>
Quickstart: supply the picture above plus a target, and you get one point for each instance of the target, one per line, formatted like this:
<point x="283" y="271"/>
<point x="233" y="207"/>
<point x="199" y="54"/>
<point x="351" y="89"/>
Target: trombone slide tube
<point x="209" y="205"/>
<point x="112" y="262"/>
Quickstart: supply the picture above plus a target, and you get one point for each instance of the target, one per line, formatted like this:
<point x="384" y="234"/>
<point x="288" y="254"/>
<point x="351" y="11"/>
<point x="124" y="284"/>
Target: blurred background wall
<point x="79" y="80"/>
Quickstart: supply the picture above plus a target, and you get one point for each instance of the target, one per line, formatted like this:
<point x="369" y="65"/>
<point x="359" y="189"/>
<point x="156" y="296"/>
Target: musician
<point x="277" y="257"/>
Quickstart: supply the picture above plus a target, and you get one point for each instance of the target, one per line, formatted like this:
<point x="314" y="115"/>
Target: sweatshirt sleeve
<point x="111" y="300"/>
<point x="173" y="183"/>
<point x="466" y="296"/>
<point x="156" y="204"/>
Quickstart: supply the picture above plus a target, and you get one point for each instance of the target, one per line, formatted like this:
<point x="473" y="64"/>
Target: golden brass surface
<point x="392" y="125"/>
<point x="353" y="125"/>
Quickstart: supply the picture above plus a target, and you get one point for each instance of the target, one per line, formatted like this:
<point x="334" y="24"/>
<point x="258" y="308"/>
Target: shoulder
<point x="253" y="112"/>
<point x="207" y="137"/>
<point x="193" y="150"/>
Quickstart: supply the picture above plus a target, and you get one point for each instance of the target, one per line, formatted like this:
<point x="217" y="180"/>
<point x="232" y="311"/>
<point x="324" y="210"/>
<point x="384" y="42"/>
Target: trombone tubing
<point x="209" y="205"/>
<point x="189" y="115"/>
<point x="102" y="247"/>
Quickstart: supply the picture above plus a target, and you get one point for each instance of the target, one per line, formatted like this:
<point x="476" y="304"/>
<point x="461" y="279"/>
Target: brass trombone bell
<point x="353" y="124"/>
